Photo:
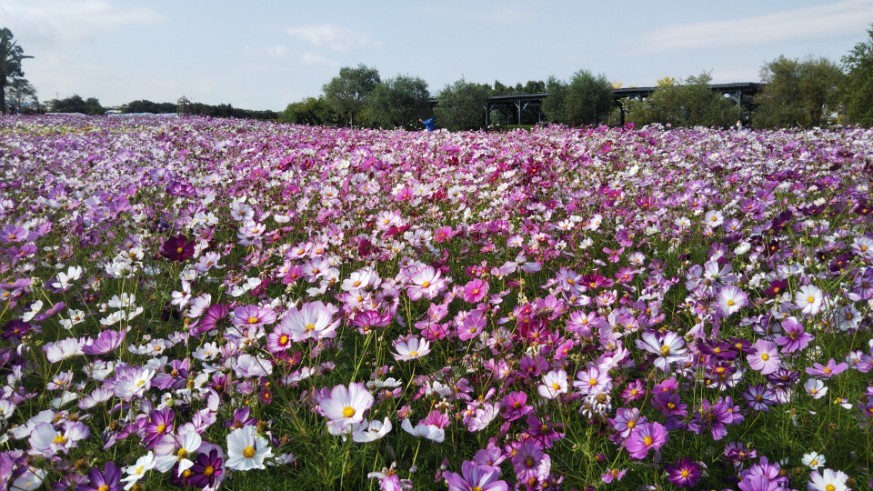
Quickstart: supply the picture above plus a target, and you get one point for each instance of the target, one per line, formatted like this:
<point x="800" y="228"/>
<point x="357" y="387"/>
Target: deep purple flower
<point x="759" y="398"/>
<point x="178" y="248"/>
<point x="685" y="473"/>
<point x="108" y="480"/>
<point x="15" y="329"/>
<point x="214" y="314"/>
<point x="159" y="427"/>
<point x="207" y="470"/>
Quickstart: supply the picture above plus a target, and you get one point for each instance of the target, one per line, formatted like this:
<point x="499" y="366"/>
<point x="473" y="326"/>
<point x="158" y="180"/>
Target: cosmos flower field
<point x="200" y="304"/>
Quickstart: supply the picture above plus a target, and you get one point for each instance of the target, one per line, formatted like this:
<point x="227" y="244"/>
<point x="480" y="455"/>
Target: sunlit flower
<point x="246" y="450"/>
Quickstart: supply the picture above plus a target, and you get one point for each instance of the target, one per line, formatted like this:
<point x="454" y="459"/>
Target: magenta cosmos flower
<point x="684" y="474"/>
<point x="645" y="437"/>
<point x="475" y="477"/>
<point x="475" y="291"/>
<point x="764" y="357"/>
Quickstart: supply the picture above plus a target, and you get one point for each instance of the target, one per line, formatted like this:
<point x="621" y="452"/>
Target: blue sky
<point x="264" y="54"/>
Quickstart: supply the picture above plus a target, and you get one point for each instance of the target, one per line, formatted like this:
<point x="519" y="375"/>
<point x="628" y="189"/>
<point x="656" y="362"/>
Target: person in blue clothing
<point x="429" y="123"/>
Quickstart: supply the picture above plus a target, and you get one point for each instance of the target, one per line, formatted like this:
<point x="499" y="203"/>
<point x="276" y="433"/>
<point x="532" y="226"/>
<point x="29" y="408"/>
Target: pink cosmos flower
<point x="731" y="299"/>
<point x="475" y="477"/>
<point x="410" y="348"/>
<point x="425" y="283"/>
<point x="827" y="371"/>
<point x="251" y="316"/>
<point x="475" y="291"/>
<point x="765" y="357"/>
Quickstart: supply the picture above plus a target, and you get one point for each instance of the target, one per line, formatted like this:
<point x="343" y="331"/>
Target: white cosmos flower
<point x="188" y="444"/>
<point x="136" y="471"/>
<point x="371" y="431"/>
<point x="816" y="388"/>
<point x="827" y="480"/>
<point x="554" y="384"/>
<point x="63" y="349"/>
<point x="246" y="449"/>
<point x="65" y="279"/>
<point x="814" y="460"/>
<point x="809" y="299"/>
<point x="410" y="348"/>
<point x="421" y="430"/>
<point x="34" y="309"/>
<point x="76" y="317"/>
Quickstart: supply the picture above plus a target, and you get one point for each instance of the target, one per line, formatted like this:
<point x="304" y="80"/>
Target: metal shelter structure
<point x="514" y="105"/>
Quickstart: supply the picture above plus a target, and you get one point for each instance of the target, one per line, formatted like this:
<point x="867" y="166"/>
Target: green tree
<point x="798" y="93"/>
<point x="398" y="102"/>
<point x="585" y="99"/>
<point x="691" y="102"/>
<point x="311" y="111"/>
<point x="11" y="55"/>
<point x="461" y="105"/>
<point x="858" y="90"/>
<point x="347" y="93"/>
<point x="21" y="96"/>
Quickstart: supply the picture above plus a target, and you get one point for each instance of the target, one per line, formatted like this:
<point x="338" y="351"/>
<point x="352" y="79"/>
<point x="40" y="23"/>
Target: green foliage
<point x="858" y="90"/>
<point x="21" y="96"/>
<point x="75" y="104"/>
<point x="691" y="103"/>
<point x="347" y="93"/>
<point x="798" y="93"/>
<point x="11" y="55"/>
<point x="461" y="105"/>
<point x="398" y="102"/>
<point x="585" y="99"/>
<point x="146" y="106"/>
<point x="311" y="111"/>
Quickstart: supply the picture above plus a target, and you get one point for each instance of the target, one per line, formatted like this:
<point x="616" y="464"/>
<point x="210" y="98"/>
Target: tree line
<point x="798" y="93"/>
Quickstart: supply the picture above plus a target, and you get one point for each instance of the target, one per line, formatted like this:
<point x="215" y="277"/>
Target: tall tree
<point x="461" y="105"/>
<point x="21" y="96"/>
<point x="585" y="99"/>
<point x="11" y="55"/>
<point x="311" y="111"/>
<point x="347" y="93"/>
<point x="398" y="102"/>
<point x="858" y="93"/>
<point x="798" y="93"/>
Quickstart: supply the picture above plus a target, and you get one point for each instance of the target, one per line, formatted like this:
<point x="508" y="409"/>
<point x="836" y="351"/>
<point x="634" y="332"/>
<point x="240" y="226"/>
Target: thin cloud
<point x="314" y="59"/>
<point x="331" y="36"/>
<point x="798" y="24"/>
<point x="51" y="22"/>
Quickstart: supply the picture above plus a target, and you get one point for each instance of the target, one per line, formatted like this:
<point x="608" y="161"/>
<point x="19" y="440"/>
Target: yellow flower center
<point x="730" y="302"/>
<point x="631" y="424"/>
<point x="182" y="453"/>
<point x="830" y="487"/>
<point x="283" y="339"/>
<point x="592" y="382"/>
<point x="103" y="487"/>
<point x="665" y="350"/>
<point x="684" y="473"/>
<point x="253" y="320"/>
<point x="161" y="428"/>
<point x="310" y="326"/>
<point x="413" y="353"/>
<point x="765" y="356"/>
<point x="556" y="386"/>
<point x="425" y="284"/>
<point x="648" y="441"/>
<point x="60" y="439"/>
<point x="810" y="299"/>
<point x="348" y="412"/>
<point x="208" y="471"/>
<point x="249" y="452"/>
<point x="179" y="250"/>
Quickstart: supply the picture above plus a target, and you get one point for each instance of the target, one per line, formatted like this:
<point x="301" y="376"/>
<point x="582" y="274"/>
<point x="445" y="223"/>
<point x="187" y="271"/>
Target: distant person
<point x="429" y="123"/>
<point x="739" y="125"/>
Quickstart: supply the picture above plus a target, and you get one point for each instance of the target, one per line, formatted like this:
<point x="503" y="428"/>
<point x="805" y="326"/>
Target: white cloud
<point x="313" y="59"/>
<point x="334" y="37"/>
<point x="803" y="23"/>
<point x="47" y="22"/>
